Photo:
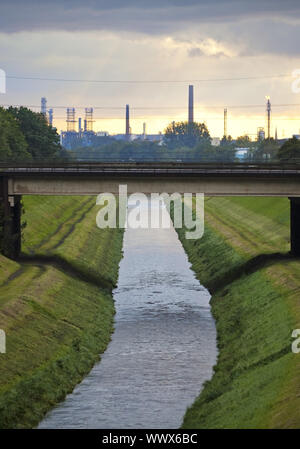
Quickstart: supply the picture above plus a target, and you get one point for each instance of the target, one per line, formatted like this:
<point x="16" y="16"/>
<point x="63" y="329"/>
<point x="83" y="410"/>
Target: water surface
<point x="163" y="347"/>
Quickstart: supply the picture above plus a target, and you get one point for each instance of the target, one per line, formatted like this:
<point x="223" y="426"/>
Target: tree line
<point x="190" y="142"/>
<point x="26" y="136"/>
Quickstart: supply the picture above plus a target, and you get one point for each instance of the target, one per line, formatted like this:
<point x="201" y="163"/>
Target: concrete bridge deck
<point x="92" y="179"/>
<point x="210" y="179"/>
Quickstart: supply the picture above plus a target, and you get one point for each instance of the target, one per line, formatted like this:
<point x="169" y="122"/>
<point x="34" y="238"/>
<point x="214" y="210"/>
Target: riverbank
<point x="243" y="260"/>
<point x="145" y="378"/>
<point x="56" y="305"/>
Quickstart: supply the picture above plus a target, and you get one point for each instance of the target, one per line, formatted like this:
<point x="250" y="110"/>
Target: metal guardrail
<point x="148" y="168"/>
<point x="92" y="165"/>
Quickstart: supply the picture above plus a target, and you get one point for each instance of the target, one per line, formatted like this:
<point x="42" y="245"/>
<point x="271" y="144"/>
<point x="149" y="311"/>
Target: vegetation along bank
<point x="56" y="305"/>
<point x="243" y="259"/>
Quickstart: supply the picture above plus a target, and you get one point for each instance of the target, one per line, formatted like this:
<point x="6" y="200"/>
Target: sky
<point x="146" y="53"/>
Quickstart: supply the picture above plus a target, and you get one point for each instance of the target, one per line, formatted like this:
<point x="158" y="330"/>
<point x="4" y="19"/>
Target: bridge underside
<point x="13" y="187"/>
<point x="210" y="186"/>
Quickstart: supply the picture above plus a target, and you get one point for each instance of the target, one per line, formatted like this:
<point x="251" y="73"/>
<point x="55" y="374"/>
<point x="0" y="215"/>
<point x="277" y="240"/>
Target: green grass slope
<point x="243" y="259"/>
<point x="55" y="305"/>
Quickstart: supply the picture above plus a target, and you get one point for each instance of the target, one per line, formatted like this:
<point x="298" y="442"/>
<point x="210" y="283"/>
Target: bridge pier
<point x="295" y="226"/>
<point x="11" y="221"/>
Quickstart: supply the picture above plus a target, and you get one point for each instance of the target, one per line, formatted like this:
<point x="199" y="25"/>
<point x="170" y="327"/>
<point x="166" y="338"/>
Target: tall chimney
<point x="50" y="120"/>
<point x="225" y="123"/>
<point x="44" y="106"/>
<point x="191" y="104"/>
<point x="127" y="121"/>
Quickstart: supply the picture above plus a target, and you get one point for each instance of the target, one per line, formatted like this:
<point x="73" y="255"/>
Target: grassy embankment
<point x="55" y="305"/>
<point x="243" y="260"/>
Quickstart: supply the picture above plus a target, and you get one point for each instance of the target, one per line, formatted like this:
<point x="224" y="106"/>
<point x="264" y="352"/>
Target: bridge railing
<point x="64" y="167"/>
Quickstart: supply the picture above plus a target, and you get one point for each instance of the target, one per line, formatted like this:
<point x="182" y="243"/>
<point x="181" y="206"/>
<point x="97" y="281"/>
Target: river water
<point x="163" y="347"/>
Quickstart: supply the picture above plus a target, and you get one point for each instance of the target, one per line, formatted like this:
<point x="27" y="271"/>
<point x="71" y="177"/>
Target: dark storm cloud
<point x="155" y="16"/>
<point x="256" y="26"/>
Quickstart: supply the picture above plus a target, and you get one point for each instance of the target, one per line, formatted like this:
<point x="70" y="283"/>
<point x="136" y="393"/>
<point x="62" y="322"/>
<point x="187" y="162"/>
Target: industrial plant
<point x="80" y="131"/>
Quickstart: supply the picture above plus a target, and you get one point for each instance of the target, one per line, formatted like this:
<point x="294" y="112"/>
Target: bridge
<point x="148" y="177"/>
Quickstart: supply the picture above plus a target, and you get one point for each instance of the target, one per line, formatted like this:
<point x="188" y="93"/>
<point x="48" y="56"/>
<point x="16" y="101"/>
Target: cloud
<point x="201" y="47"/>
<point x="148" y="16"/>
<point x="246" y="27"/>
<point x="149" y="40"/>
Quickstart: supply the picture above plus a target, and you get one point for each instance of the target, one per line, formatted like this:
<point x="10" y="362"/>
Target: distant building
<point x="215" y="141"/>
<point x="132" y="137"/>
<point x="241" y="153"/>
<point x="261" y="133"/>
<point x="102" y="133"/>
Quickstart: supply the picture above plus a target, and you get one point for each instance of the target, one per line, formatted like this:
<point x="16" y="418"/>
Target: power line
<point x="64" y="80"/>
<point x="236" y="106"/>
<point x="196" y="118"/>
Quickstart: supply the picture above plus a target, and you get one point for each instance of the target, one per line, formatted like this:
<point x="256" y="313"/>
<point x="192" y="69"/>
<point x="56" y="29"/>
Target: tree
<point x="182" y="134"/>
<point x="243" y="141"/>
<point x="267" y="150"/>
<point x="226" y="141"/>
<point x="42" y="139"/>
<point x="13" y="145"/>
<point x="290" y="151"/>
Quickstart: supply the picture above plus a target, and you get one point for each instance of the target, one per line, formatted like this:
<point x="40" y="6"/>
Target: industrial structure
<point x="268" y="117"/>
<point x="48" y="114"/>
<point x="88" y="121"/>
<point x="225" y="123"/>
<point x="127" y="127"/>
<point x="44" y="106"/>
<point x="76" y="135"/>
<point x="79" y="126"/>
<point x="191" y="105"/>
<point x="73" y="138"/>
<point x="50" y="117"/>
<point x="71" y="120"/>
<point x="260" y="133"/>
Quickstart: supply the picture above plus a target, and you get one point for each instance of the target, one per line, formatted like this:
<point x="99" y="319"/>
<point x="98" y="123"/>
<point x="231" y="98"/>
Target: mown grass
<point x="87" y="250"/>
<point x="243" y="259"/>
<point x="56" y="311"/>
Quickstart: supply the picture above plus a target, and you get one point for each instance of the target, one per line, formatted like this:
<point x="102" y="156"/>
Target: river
<point x="163" y="347"/>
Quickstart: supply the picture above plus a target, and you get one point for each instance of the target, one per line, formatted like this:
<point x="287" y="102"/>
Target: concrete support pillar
<point x="295" y="226"/>
<point x="11" y="210"/>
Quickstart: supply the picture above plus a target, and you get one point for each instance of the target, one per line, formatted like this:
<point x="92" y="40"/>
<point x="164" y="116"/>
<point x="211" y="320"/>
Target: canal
<point x="163" y="347"/>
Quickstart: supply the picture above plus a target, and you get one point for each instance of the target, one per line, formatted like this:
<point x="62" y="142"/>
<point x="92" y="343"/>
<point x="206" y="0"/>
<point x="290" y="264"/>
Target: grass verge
<point x="55" y="305"/>
<point x="243" y="260"/>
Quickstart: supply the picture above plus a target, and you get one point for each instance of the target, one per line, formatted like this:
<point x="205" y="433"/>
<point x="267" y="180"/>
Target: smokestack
<point x="191" y="104"/>
<point x="50" y="112"/>
<point x="44" y="106"/>
<point x="127" y="121"/>
<point x="269" y="116"/>
<point x="225" y="123"/>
